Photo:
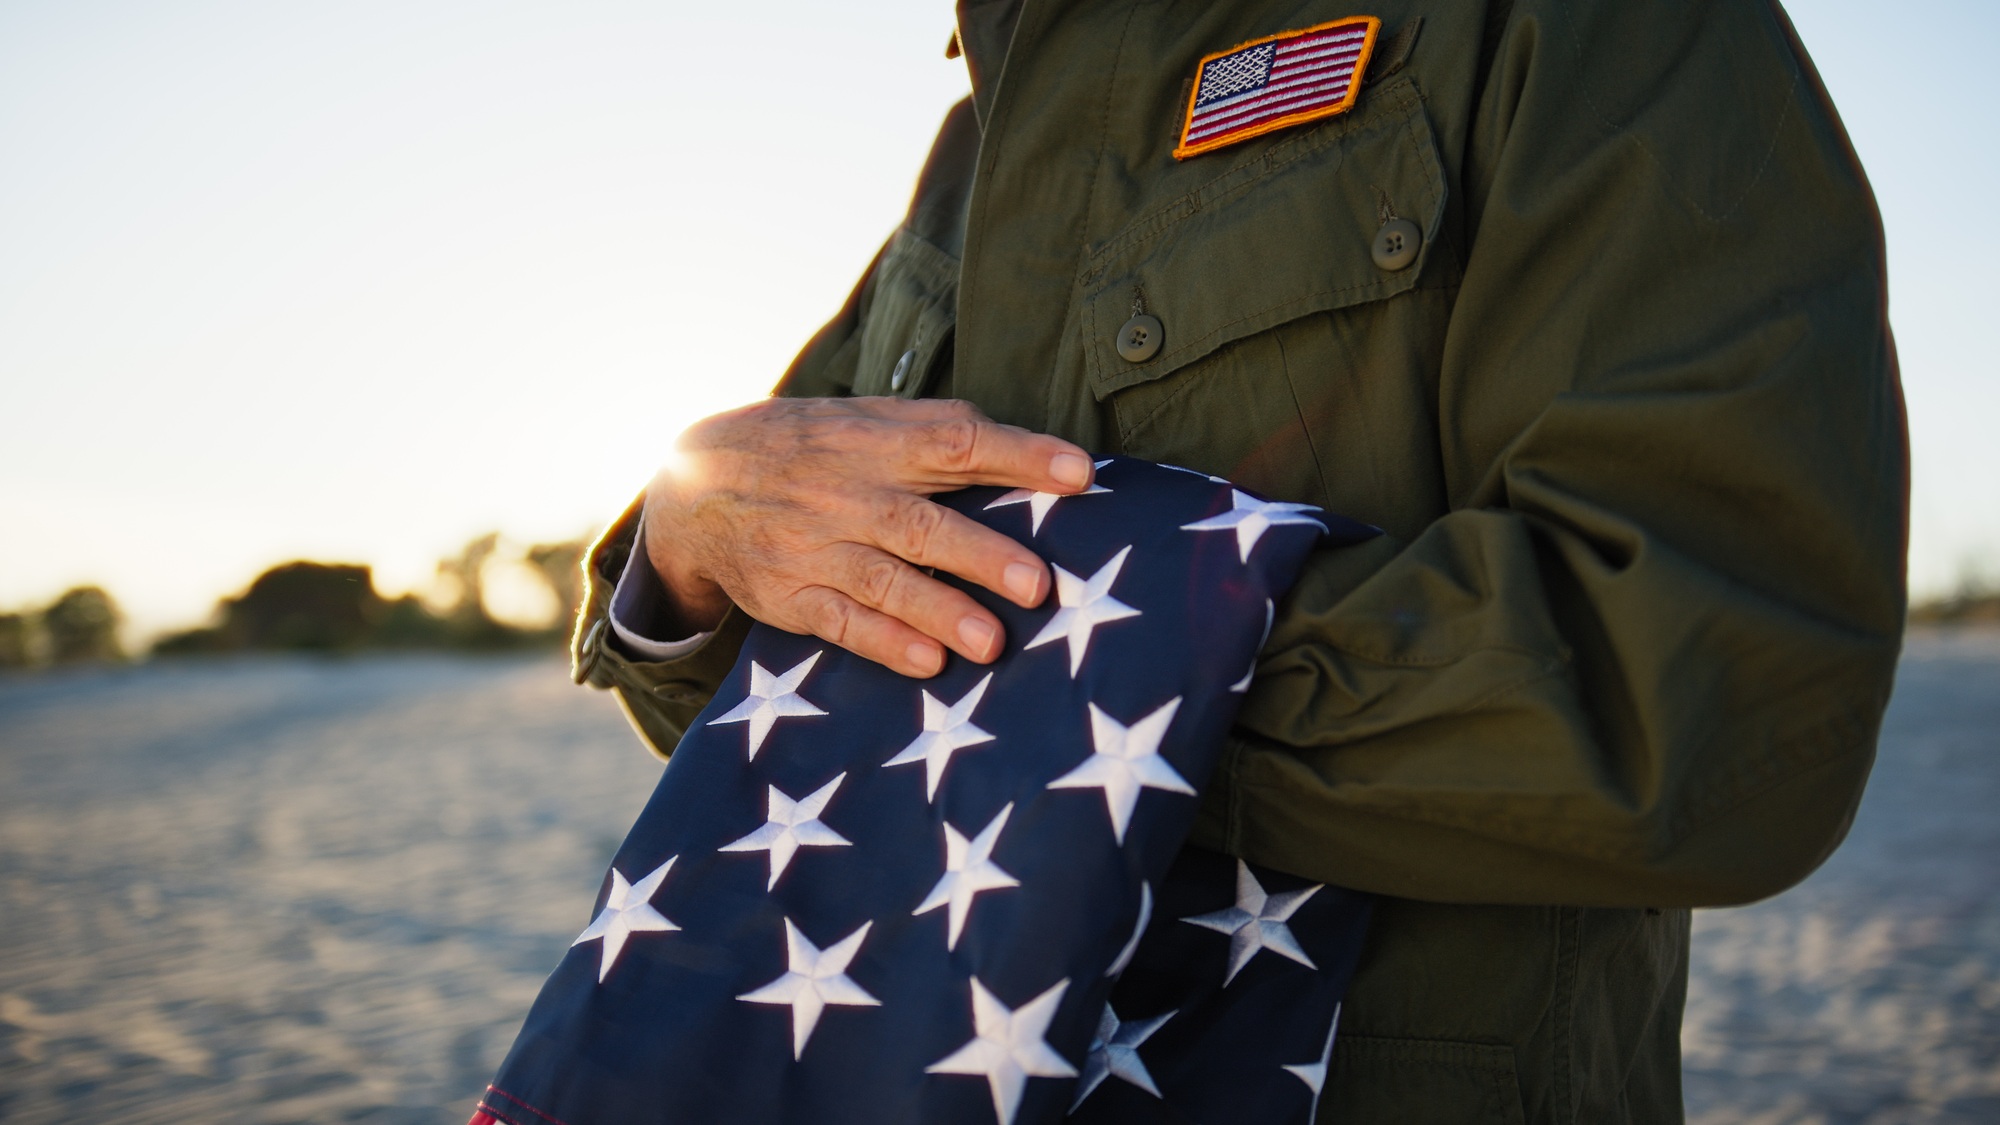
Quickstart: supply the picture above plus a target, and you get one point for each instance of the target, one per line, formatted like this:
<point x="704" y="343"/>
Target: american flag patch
<point x="1277" y="81"/>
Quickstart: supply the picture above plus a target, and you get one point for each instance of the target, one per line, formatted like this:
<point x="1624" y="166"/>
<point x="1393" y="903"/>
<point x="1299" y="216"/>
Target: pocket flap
<point x="1268" y="241"/>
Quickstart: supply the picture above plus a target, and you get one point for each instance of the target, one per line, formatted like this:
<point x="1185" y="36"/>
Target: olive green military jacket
<point x="1630" y="419"/>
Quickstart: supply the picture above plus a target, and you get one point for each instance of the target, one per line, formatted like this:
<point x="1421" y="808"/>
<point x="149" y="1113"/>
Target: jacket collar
<point x="985" y="28"/>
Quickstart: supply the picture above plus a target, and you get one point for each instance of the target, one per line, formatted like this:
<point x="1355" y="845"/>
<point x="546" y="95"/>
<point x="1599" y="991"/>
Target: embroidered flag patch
<point x="1275" y="82"/>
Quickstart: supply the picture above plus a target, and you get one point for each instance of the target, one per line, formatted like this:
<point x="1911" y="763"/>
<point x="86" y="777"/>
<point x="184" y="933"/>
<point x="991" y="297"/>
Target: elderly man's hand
<point x="814" y="515"/>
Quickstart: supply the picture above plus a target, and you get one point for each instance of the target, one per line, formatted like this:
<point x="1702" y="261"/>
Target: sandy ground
<point x="305" y="891"/>
<point x="1871" y="992"/>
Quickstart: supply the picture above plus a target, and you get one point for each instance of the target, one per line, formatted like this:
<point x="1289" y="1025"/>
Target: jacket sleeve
<point x="661" y="697"/>
<point x="1644" y="657"/>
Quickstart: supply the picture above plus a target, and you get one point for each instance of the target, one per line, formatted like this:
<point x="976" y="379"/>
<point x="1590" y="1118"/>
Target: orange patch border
<point x="1374" y="25"/>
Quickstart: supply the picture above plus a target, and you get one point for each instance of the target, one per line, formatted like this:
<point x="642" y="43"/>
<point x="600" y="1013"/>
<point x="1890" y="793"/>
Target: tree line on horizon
<point x="307" y="606"/>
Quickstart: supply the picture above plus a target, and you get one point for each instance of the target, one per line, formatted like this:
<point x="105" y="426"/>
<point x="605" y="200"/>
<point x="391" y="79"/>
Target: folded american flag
<point x="856" y="897"/>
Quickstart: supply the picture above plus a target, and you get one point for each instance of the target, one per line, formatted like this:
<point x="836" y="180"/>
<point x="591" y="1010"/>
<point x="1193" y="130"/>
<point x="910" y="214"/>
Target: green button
<point x="1396" y="244"/>
<point x="1140" y="339"/>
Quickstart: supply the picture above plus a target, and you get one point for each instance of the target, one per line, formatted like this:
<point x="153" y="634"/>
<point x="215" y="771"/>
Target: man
<point x="1581" y="300"/>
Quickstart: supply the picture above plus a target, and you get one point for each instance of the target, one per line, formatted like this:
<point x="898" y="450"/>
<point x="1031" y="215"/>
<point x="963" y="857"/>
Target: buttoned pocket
<point x="1297" y="231"/>
<point x="908" y="321"/>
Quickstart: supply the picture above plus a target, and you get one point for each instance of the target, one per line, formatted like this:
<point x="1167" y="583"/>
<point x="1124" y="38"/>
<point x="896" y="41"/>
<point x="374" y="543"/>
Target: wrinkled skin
<point x="814" y="515"/>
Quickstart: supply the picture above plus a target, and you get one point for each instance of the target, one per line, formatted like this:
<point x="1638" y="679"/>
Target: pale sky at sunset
<point x="359" y="281"/>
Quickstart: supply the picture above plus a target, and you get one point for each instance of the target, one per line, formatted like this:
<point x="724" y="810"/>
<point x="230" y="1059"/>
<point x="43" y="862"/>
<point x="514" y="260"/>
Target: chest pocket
<point x="1287" y="233"/>
<point x="912" y="308"/>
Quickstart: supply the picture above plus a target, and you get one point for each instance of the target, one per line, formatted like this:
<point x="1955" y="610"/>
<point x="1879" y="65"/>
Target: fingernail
<point x="977" y="635"/>
<point x="1023" y="581"/>
<point x="1070" y="469"/>
<point x="925" y="658"/>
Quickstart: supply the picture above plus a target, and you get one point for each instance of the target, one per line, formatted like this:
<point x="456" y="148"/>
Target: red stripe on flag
<point x="488" y="1108"/>
<point x="1237" y="103"/>
<point x="1318" y="43"/>
<point x="1266" y="110"/>
<point x="1351" y="35"/>
<point x="1309" y="59"/>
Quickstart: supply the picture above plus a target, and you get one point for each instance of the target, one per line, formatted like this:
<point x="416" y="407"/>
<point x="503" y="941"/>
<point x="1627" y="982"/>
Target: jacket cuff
<point x="661" y="697"/>
<point x="639" y="616"/>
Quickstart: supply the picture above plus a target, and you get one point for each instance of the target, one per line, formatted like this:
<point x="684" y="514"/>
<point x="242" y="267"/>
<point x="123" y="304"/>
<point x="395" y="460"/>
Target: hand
<point x="813" y="516"/>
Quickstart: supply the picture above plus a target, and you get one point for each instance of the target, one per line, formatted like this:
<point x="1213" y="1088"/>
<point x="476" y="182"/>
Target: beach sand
<point x="297" y="890"/>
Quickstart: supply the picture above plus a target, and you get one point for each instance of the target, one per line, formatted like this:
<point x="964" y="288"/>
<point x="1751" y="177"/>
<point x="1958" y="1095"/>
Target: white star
<point x="1270" y="614"/>
<point x="814" y="978"/>
<point x="1008" y="1047"/>
<point x="1039" y="503"/>
<point x="627" y="910"/>
<point x="947" y="730"/>
<point x="771" y="698"/>
<point x="968" y="870"/>
<point x="792" y="825"/>
<point x="1127" y="759"/>
<point x="1138" y="930"/>
<point x="1314" y="1074"/>
<point x="1114" y="1053"/>
<point x="1256" y="922"/>
<point x="1251" y="518"/>
<point x="1085" y="604"/>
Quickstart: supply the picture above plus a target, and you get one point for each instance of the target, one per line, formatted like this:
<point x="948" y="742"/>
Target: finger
<point x="954" y="452"/>
<point x="831" y="615"/>
<point x="883" y="582"/>
<point x="929" y="534"/>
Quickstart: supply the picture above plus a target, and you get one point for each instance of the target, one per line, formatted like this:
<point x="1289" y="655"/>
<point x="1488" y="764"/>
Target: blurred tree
<point x="315" y="607"/>
<point x="207" y="638"/>
<point x="82" y="625"/>
<point x="16" y="637"/>
<point x="469" y="613"/>
<point x="335" y="607"/>
<point x="561" y="566"/>
<point x="304" y="605"/>
<point x="405" y="623"/>
<point x="1976" y="601"/>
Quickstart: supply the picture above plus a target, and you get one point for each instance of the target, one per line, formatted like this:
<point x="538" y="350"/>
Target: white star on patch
<point x="1008" y="1047"/>
<point x="1270" y="615"/>
<point x="1114" y="1053"/>
<point x="968" y="870"/>
<point x="791" y="825"/>
<point x="771" y="698"/>
<point x="1314" y="1074"/>
<point x="947" y="730"/>
<point x="1085" y="604"/>
<point x="1251" y="518"/>
<point x="1257" y="922"/>
<point x="627" y="910"/>
<point x="1039" y="503"/>
<point x="1126" y="760"/>
<point x="814" y="978"/>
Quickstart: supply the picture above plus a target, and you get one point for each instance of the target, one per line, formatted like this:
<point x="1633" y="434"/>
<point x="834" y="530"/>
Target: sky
<point x="360" y="282"/>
